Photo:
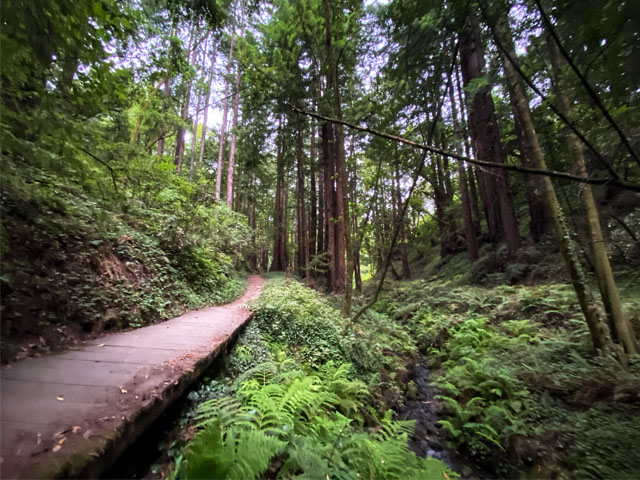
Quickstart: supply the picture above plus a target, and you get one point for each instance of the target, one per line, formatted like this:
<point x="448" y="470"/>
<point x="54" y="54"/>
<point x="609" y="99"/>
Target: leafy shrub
<point x="83" y="258"/>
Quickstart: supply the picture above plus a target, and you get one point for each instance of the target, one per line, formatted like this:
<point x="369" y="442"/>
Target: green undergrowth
<point x="79" y="258"/>
<point x="521" y="392"/>
<point x="303" y="397"/>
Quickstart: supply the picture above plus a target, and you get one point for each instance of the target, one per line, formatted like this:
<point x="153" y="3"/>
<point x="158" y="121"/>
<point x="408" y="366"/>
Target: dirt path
<point x="71" y="414"/>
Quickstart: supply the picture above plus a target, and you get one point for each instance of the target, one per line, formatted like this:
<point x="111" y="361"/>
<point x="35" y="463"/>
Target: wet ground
<point x="428" y="439"/>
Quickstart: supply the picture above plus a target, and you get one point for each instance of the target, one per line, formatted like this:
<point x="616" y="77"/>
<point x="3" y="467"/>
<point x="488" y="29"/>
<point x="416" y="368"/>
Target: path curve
<point x="72" y="414"/>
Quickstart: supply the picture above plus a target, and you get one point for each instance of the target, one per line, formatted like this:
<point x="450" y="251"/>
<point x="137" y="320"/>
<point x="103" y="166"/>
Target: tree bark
<point x="618" y="321"/>
<point x="537" y="212"/>
<point x="279" y="261"/>
<point x="473" y="194"/>
<point x="234" y="128"/>
<point x="223" y="126"/>
<point x="166" y="93"/>
<point x="303" y="233"/>
<point x="406" y="272"/>
<point x="598" y="328"/>
<point x="234" y="134"/>
<point x="469" y="228"/>
<point x="194" y="139"/>
<point x="329" y="195"/>
<point x="483" y="125"/>
<point x="313" y="200"/>
<point x="184" y="113"/>
<point x="203" y="136"/>
<point x="343" y="226"/>
<point x="321" y="247"/>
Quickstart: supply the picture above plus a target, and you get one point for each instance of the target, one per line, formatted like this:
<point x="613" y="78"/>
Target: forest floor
<point x="60" y="411"/>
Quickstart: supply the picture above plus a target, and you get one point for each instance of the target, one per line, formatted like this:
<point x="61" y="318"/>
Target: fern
<point x="232" y="453"/>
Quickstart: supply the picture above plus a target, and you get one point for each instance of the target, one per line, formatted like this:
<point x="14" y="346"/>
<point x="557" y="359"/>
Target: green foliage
<point x="232" y="453"/>
<point x="280" y="409"/>
<point x="96" y="261"/>
<point x="520" y="388"/>
<point x="301" y="319"/>
<point x="300" y="322"/>
<point x="309" y="416"/>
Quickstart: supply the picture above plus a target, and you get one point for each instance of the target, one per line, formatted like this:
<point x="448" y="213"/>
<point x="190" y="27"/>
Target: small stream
<point x="428" y="439"/>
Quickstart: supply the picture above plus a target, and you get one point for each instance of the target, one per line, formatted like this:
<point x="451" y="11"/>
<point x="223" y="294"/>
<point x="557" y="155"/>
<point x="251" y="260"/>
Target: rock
<point x="432" y="429"/>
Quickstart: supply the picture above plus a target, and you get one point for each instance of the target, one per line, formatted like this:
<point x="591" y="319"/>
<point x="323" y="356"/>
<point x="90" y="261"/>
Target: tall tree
<point x="469" y="229"/>
<point x="483" y="126"/>
<point x="280" y="260"/>
<point x="205" y="118"/>
<point x="234" y="128"/>
<point x="618" y="321"/>
<point x="302" y="226"/>
<point x="184" y="113"/>
<point x="598" y="328"/>
<point x="225" y="114"/>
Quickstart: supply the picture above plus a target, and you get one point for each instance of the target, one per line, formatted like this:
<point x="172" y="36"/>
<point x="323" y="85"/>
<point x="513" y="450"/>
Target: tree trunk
<point x="203" y="137"/>
<point x="303" y="233"/>
<point x="194" y="139"/>
<point x="321" y="208"/>
<point x="234" y="128"/>
<point x="473" y="194"/>
<point x="279" y="261"/>
<point x="618" y="321"/>
<point x="406" y="272"/>
<point x="313" y="215"/>
<point x="537" y="213"/>
<point x="184" y="113"/>
<point x="223" y="126"/>
<point x="469" y="228"/>
<point x="483" y="125"/>
<point x="569" y="250"/>
<point x="166" y="93"/>
<point x="343" y="226"/>
<point x="232" y="148"/>
<point x="329" y="195"/>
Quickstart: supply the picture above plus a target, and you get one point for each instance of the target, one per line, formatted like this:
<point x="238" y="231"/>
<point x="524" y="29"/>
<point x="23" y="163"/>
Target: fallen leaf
<point x="62" y="440"/>
<point x="39" y="439"/>
<point x="123" y="390"/>
<point x="101" y="345"/>
<point x="60" y="398"/>
<point x="76" y="429"/>
<point x="56" y="448"/>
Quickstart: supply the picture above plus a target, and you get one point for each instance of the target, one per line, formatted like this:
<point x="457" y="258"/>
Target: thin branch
<point x="542" y="96"/>
<point x="99" y="160"/>
<point x="612" y="182"/>
<point x="394" y="239"/>
<point x="587" y="86"/>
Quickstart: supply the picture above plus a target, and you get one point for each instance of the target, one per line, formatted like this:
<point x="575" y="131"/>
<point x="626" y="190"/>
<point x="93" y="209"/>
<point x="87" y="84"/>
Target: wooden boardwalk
<point x="73" y="414"/>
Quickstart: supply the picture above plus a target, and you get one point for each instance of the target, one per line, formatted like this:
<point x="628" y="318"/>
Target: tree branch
<point x="542" y="96"/>
<point x="99" y="160"/>
<point x="612" y="182"/>
<point x="587" y="86"/>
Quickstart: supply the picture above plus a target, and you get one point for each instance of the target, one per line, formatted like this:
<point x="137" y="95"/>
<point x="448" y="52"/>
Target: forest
<point x="443" y="198"/>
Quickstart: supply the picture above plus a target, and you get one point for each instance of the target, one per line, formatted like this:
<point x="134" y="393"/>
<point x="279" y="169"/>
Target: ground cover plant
<point x="77" y="262"/>
<point x="300" y="402"/>
<point x="520" y="387"/>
